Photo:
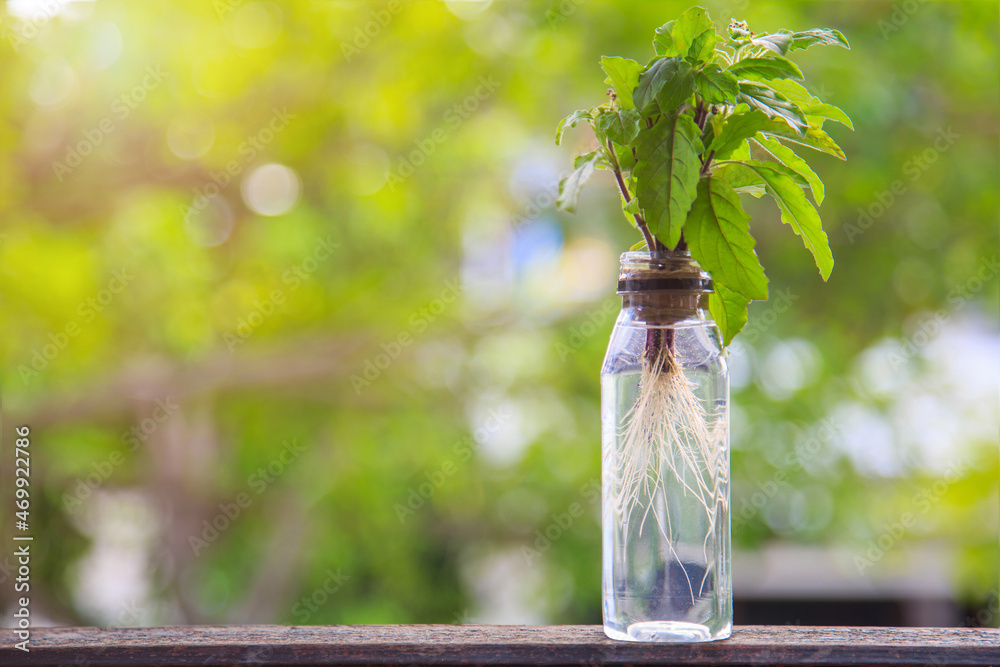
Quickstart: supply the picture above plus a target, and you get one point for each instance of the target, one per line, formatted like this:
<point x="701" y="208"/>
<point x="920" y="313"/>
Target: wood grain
<point x="493" y="645"/>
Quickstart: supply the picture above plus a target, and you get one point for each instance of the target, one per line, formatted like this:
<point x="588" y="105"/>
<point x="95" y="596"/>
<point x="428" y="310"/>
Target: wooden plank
<point x="493" y="645"/>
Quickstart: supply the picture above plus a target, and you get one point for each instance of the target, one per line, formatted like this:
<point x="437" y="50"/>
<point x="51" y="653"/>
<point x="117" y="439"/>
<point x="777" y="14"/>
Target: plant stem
<point x="669" y="361"/>
<point x="700" y="115"/>
<point x="707" y="163"/>
<point x="651" y="242"/>
<point x="657" y="340"/>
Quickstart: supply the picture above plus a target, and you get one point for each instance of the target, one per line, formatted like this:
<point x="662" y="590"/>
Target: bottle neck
<point x="665" y="289"/>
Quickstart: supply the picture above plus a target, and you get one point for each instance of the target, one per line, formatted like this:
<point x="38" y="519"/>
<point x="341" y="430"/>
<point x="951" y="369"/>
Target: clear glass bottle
<point x="665" y="465"/>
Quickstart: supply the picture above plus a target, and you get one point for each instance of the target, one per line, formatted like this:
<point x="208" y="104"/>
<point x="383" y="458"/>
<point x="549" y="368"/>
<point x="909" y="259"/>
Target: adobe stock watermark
<point x="310" y="604"/>
<point x="562" y="522"/>
<point x="922" y="502"/>
<point x="900" y="16"/>
<point x="292" y="279"/>
<point x="25" y="29"/>
<point x="988" y="616"/>
<point x="778" y="304"/>
<point x="257" y="483"/>
<point x="224" y="7"/>
<point x="581" y="333"/>
<point x="87" y="485"/>
<point x="913" y="169"/>
<point x="463" y="450"/>
<point x="452" y="119"/>
<point x="931" y="327"/>
<point x="560" y="13"/>
<point x="419" y="321"/>
<point x="247" y="150"/>
<point x="542" y="200"/>
<point x="87" y="311"/>
<point x="130" y="615"/>
<point x="121" y="108"/>
<point x="821" y="436"/>
<point x="364" y="34"/>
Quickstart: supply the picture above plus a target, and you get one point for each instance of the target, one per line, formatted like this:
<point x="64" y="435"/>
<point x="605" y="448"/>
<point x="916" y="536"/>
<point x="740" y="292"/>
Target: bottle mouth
<point x="644" y="272"/>
<point x="666" y="255"/>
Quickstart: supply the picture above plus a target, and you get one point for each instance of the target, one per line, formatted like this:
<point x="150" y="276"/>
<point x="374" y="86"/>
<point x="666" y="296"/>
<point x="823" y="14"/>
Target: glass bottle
<point x="665" y="458"/>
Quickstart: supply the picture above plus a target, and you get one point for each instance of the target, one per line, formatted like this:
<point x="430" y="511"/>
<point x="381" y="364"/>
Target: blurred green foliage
<point x="442" y="428"/>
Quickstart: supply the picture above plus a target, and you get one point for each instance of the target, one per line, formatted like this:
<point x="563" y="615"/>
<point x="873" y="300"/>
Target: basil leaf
<point x="717" y="86"/>
<point x="813" y="137"/>
<point x="663" y="41"/>
<point x="794" y="91"/>
<point x="569" y="187"/>
<point x="828" y="111"/>
<point x="735" y="130"/>
<point x="764" y="69"/>
<point x="667" y="173"/>
<point x="623" y="76"/>
<point x="821" y="36"/>
<point x="571" y="121"/>
<point x="796" y="212"/>
<point x="668" y="82"/>
<point x="772" y="103"/>
<point x="729" y="310"/>
<point x="742" y="180"/>
<point x="694" y="34"/>
<point x="718" y="233"/>
<point x="778" y="42"/>
<point x="619" y="125"/>
<point x="790" y="159"/>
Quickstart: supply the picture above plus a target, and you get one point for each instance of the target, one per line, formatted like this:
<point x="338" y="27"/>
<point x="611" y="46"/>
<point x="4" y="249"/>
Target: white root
<point x="667" y="441"/>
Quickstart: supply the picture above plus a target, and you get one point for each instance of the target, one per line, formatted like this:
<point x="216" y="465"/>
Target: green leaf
<point x="694" y="34"/>
<point x="668" y="82"/>
<point x="797" y="212"/>
<point x="764" y="69"/>
<point x="735" y="130"/>
<point x="813" y="137"/>
<point x="569" y="187"/>
<point x="703" y="48"/>
<point x="729" y="310"/>
<point x="623" y="76"/>
<point x="787" y="157"/>
<point x="663" y="41"/>
<point x="571" y="121"/>
<point x="667" y="173"/>
<point x="821" y="36"/>
<point x="718" y="234"/>
<point x="742" y="152"/>
<point x="717" y="86"/>
<point x="641" y="245"/>
<point x="741" y="180"/>
<point x="772" y="103"/>
<point x="794" y="91"/>
<point x="632" y="207"/>
<point x="580" y="160"/>
<point x="619" y="125"/>
<point x="630" y="210"/>
<point x="625" y="156"/>
<point x="779" y="42"/>
<point x="827" y="111"/>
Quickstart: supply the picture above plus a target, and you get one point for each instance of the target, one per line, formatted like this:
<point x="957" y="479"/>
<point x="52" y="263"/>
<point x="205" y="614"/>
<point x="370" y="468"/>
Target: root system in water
<point x="666" y="441"/>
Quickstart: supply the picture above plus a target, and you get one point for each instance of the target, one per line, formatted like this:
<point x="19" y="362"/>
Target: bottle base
<point x="668" y="631"/>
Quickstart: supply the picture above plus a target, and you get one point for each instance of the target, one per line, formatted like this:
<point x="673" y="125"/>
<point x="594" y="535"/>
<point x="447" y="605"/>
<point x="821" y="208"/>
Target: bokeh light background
<point x="302" y="339"/>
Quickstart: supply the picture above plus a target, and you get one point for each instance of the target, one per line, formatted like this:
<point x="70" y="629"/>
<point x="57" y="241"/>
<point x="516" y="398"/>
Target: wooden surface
<point x="493" y="645"/>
